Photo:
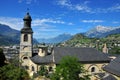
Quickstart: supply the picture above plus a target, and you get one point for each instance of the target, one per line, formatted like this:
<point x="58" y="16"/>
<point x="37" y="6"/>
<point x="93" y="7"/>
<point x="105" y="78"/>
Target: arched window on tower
<point x="93" y="69"/>
<point x="25" y="37"/>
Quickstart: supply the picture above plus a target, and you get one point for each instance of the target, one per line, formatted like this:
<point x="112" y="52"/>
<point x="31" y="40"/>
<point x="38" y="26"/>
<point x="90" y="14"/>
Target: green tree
<point x="69" y="69"/>
<point x="115" y="50"/>
<point x="11" y="72"/>
<point x="2" y="58"/>
<point x="43" y="71"/>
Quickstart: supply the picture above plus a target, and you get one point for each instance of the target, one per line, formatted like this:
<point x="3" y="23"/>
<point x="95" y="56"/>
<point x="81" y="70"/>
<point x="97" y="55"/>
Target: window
<point x="26" y="67"/>
<point x="50" y="68"/>
<point x="42" y="50"/>
<point x="93" y="69"/>
<point x="25" y="37"/>
<point x="33" y="68"/>
<point x="25" y="57"/>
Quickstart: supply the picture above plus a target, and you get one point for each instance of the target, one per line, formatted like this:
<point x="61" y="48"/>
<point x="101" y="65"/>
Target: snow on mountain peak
<point x="103" y="29"/>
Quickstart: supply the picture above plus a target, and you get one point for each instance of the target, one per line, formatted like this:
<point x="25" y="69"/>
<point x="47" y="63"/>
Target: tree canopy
<point x="43" y="71"/>
<point x="69" y="69"/>
<point x="11" y="72"/>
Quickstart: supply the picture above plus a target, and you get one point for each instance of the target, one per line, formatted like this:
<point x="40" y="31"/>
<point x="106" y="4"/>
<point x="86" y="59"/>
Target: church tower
<point x="105" y="49"/>
<point x="26" y="40"/>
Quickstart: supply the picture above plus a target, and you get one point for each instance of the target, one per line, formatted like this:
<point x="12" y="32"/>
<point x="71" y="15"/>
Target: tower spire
<point x="27" y="24"/>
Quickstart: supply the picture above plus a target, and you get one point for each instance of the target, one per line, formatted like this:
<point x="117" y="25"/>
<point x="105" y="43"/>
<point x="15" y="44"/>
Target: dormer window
<point x="25" y="37"/>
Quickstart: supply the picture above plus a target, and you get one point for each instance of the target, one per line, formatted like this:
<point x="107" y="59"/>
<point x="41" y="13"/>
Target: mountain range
<point x="57" y="39"/>
<point x="12" y="36"/>
<point x="97" y="32"/>
<point x="102" y="31"/>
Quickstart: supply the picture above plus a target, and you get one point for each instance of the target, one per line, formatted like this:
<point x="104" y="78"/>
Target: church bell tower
<point x="26" y="40"/>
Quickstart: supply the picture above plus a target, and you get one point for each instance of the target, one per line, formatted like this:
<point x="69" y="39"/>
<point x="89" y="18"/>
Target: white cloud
<point x="114" y="8"/>
<point x="115" y="22"/>
<point x="38" y="22"/>
<point x="64" y="2"/>
<point x="79" y="7"/>
<point x="83" y="7"/>
<point x="19" y="1"/>
<point x="70" y="23"/>
<point x="27" y="1"/>
<point x="92" y="21"/>
<point x="15" y="23"/>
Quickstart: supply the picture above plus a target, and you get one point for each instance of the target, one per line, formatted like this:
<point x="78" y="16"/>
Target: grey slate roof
<point x="113" y="67"/>
<point x="83" y="54"/>
<point x="110" y="77"/>
<point x="42" y="60"/>
<point x="104" y="77"/>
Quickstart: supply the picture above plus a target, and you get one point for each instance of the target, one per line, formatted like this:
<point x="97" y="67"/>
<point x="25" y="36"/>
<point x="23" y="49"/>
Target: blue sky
<point x="53" y="17"/>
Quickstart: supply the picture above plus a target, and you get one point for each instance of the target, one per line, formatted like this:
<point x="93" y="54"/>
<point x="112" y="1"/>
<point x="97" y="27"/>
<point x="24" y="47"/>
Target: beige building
<point x="92" y="59"/>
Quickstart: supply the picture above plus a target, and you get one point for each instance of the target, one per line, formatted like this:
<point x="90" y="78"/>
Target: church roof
<point x="113" y="67"/>
<point x="105" y="76"/>
<point x="110" y="77"/>
<point x="42" y="60"/>
<point x="85" y="55"/>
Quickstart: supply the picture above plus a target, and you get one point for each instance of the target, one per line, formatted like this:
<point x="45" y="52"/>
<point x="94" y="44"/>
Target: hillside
<point x="57" y="39"/>
<point x="79" y="40"/>
<point x="9" y="36"/>
<point x="5" y="30"/>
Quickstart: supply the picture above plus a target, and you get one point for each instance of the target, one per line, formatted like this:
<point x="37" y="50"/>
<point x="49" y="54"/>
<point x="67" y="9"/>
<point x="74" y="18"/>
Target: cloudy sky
<point x="53" y="17"/>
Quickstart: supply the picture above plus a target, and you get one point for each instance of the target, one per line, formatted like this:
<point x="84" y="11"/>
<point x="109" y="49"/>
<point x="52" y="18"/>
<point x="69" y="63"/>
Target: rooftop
<point x="85" y="55"/>
<point x="113" y="67"/>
